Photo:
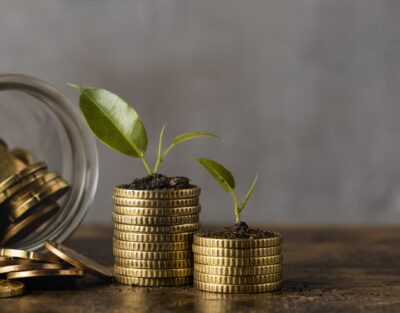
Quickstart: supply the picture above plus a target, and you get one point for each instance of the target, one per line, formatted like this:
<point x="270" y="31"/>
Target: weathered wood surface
<point x="352" y="269"/>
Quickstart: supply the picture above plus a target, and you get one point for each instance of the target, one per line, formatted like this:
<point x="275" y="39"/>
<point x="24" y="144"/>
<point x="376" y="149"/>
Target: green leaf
<point x="220" y="173"/>
<point x="249" y="193"/>
<point x="187" y="136"/>
<point x="113" y="121"/>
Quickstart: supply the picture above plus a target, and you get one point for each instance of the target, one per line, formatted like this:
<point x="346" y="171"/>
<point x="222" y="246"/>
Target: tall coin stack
<point x="28" y="195"/>
<point x="153" y="235"/>
<point x="237" y="265"/>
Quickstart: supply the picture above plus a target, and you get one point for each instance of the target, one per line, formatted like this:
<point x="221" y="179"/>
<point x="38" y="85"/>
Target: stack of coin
<point x="28" y="194"/>
<point x="18" y="265"/>
<point x="237" y="265"/>
<point x="153" y="235"/>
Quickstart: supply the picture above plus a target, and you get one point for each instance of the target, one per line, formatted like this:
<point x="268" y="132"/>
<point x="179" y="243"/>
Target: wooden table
<point x="326" y="269"/>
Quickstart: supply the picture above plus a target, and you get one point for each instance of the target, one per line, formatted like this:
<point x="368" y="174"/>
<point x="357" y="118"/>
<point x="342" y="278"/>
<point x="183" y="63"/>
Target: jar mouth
<point x="73" y="151"/>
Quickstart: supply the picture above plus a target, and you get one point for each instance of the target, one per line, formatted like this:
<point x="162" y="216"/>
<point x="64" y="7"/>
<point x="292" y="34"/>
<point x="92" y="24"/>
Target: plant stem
<point x="160" y="145"/>
<point x="146" y="165"/>
<point x="167" y="151"/>
<point x="236" y="205"/>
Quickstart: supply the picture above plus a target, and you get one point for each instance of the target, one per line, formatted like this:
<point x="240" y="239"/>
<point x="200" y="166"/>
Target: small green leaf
<point x="113" y="121"/>
<point x="187" y="136"/>
<point x="219" y="172"/>
<point x="249" y="193"/>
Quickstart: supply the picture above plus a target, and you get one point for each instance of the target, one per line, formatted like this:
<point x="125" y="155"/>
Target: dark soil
<point x="159" y="182"/>
<point x="239" y="231"/>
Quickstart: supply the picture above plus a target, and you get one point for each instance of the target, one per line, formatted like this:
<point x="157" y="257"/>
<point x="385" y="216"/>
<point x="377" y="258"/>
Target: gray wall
<point x="305" y="93"/>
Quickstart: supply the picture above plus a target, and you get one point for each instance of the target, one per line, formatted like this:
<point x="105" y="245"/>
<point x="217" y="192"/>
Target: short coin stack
<point x="153" y="235"/>
<point x="237" y="265"/>
<point x="17" y="266"/>
<point x="28" y="194"/>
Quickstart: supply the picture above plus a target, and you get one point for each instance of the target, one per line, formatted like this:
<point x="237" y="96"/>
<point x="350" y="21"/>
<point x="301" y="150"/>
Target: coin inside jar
<point x="23" y="228"/>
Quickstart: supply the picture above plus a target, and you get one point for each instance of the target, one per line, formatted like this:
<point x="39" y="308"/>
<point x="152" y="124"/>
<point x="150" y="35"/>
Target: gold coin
<point x="8" y="261"/>
<point x="157" y="194"/>
<point x="126" y="210"/>
<point x="237" y="280"/>
<point x="23" y="254"/>
<point x="184" y="228"/>
<point x="49" y="191"/>
<point x="24" y="227"/>
<point x="20" y="175"/>
<point x="141" y="203"/>
<point x="7" y="164"/>
<point x="29" y="267"/>
<point x="22" y="155"/>
<point x="155" y="220"/>
<point x="238" y="271"/>
<point x="138" y="237"/>
<point x="250" y="261"/>
<point x="19" y="165"/>
<point x="201" y="240"/>
<point x="219" y="288"/>
<point x="236" y="253"/>
<point x="152" y="246"/>
<point x="11" y="288"/>
<point x="153" y="273"/>
<point x="153" y="282"/>
<point x="78" y="260"/>
<point x="21" y="185"/>
<point x="153" y="255"/>
<point x="71" y="272"/>
<point x="149" y="264"/>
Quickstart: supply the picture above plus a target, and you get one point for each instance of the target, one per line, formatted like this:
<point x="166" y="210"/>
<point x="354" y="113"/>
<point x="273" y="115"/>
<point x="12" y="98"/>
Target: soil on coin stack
<point x="159" y="182"/>
<point x="239" y="231"/>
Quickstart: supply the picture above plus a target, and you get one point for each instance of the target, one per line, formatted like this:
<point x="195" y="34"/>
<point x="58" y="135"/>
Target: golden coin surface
<point x="150" y="264"/>
<point x="153" y="273"/>
<point x="186" y="210"/>
<point x="201" y="240"/>
<point x="155" y="220"/>
<point x="153" y="282"/>
<point x="38" y="182"/>
<point x="30" y="267"/>
<point x="145" y="255"/>
<point x="7" y="163"/>
<point x="184" y="228"/>
<point x="20" y="229"/>
<point x="78" y="260"/>
<point x="151" y="246"/>
<point x="250" y="261"/>
<point x="20" y="175"/>
<point x="71" y="272"/>
<point x="10" y="261"/>
<point x="22" y="155"/>
<point x="219" y="288"/>
<point x="23" y="254"/>
<point x="237" y="280"/>
<point x="11" y="288"/>
<point x="238" y="271"/>
<point x="49" y="191"/>
<point x="157" y="194"/>
<point x="237" y="253"/>
<point x="155" y="203"/>
<point x="138" y="237"/>
<point x="21" y="185"/>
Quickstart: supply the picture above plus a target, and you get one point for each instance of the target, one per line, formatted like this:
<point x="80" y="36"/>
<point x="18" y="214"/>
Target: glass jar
<point x="37" y="117"/>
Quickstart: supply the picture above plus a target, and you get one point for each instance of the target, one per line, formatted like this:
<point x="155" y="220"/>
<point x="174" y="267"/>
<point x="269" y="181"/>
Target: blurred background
<point x="304" y="92"/>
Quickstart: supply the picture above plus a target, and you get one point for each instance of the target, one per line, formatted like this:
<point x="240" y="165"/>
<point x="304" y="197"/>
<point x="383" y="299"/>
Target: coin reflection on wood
<point x="28" y="195"/>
